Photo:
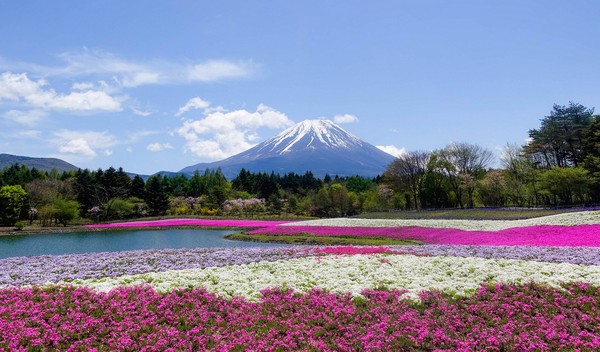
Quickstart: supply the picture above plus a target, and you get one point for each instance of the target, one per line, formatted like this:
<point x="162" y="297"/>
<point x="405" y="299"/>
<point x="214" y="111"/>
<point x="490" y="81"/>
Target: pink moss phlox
<point x="354" y="250"/>
<point x="543" y="235"/>
<point x="497" y="317"/>
<point x="191" y="222"/>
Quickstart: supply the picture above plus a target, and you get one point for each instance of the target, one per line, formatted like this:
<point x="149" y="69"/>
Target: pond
<point x="112" y="241"/>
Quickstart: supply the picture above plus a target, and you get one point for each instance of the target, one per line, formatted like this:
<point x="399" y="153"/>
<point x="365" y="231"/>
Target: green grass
<point x="467" y="214"/>
<point x="319" y="240"/>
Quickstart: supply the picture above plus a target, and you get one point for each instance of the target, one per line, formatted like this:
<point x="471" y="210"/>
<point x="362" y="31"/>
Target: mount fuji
<point x="319" y="146"/>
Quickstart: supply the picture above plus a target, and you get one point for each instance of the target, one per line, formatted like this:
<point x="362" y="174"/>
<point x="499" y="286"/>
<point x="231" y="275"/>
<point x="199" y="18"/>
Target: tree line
<point x="558" y="166"/>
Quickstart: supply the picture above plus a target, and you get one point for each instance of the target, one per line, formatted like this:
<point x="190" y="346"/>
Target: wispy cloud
<point x="29" y="118"/>
<point x="130" y="73"/>
<point x="345" y="118"/>
<point x="193" y="104"/>
<point x="141" y="112"/>
<point x="217" y="70"/>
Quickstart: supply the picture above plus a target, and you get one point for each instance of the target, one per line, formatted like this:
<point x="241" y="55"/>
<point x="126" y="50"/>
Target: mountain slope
<point x="42" y="164"/>
<point x="319" y="146"/>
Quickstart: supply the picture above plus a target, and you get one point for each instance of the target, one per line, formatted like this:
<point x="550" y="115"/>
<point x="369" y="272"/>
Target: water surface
<point x="112" y="241"/>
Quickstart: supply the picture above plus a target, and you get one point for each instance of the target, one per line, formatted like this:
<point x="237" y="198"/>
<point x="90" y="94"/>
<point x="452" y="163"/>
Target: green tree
<point x="117" y="208"/>
<point x="65" y="210"/>
<point x="436" y="191"/>
<point x="565" y="186"/>
<point x="492" y="189"/>
<point x="138" y="187"/>
<point x="322" y="203"/>
<point x="12" y="201"/>
<point x="559" y="140"/>
<point x="358" y="184"/>
<point x="86" y="188"/>
<point x="591" y="149"/>
<point x="156" y="197"/>
<point x="340" y="201"/>
<point x="462" y="164"/>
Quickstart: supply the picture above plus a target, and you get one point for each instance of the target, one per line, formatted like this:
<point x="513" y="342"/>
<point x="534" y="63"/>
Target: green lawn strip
<point x="319" y="240"/>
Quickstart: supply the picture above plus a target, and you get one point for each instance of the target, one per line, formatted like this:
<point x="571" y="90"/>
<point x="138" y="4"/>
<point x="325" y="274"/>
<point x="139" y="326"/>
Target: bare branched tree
<point x="407" y="172"/>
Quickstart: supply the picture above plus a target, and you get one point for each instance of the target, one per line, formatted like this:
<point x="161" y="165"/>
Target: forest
<point x="559" y="166"/>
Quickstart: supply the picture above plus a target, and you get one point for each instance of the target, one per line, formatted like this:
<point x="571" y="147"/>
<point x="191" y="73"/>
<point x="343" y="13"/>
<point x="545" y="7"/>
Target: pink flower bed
<point x="497" y="318"/>
<point x="544" y="235"/>
<point x="353" y="250"/>
<point x="190" y="222"/>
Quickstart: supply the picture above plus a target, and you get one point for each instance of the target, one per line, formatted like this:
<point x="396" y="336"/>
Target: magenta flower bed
<point x="190" y="222"/>
<point x="544" y="235"/>
<point x="356" y="250"/>
<point x="500" y="317"/>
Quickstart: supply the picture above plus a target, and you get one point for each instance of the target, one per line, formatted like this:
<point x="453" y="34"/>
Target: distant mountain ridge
<point x="319" y="146"/>
<point x="42" y="164"/>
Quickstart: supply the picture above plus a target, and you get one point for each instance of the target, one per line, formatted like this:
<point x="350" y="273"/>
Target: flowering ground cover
<point x="353" y="273"/>
<point x="444" y="297"/>
<point x="501" y="317"/>
<point x="542" y="235"/>
<point x="566" y="219"/>
<point x="39" y="270"/>
<point x="570" y="229"/>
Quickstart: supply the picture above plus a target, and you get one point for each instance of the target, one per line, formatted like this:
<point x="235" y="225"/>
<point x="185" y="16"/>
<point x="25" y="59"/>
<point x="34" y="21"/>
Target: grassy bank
<point x="319" y="240"/>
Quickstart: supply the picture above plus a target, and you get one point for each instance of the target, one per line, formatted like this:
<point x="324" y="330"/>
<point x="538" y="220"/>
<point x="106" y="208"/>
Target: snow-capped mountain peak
<point x="310" y="134"/>
<point x="319" y="146"/>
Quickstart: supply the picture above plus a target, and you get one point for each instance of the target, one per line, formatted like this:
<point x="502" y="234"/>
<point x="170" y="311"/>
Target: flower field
<point x="480" y="285"/>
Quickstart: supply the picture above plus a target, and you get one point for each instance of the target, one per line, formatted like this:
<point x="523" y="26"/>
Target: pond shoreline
<point x="81" y="228"/>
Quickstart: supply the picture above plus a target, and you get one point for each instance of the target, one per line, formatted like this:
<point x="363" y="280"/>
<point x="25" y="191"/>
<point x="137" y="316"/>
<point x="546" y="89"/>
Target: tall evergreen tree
<point x="156" y="198"/>
<point x="559" y="140"/>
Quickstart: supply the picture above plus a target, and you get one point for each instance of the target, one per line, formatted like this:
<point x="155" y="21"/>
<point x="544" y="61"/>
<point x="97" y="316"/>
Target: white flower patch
<point x="341" y="274"/>
<point x="565" y="219"/>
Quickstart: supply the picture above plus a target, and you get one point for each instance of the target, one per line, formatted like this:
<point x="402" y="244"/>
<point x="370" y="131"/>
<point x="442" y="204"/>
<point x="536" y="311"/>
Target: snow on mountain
<point x="319" y="146"/>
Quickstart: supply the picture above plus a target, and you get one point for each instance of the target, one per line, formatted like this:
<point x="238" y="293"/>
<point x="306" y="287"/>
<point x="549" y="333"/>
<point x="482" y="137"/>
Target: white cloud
<point x="158" y="147"/>
<point x="194" y="103"/>
<point x="107" y="152"/>
<point x="19" y="88"/>
<point x="216" y="70"/>
<point x="84" y="143"/>
<point x="222" y="134"/>
<point x="28" y="118"/>
<point x="85" y="101"/>
<point x="346" y="118"/>
<point x="393" y="150"/>
<point x="77" y="146"/>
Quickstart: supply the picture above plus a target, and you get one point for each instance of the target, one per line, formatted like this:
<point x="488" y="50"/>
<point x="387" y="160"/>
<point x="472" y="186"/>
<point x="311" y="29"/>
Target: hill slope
<point x="42" y="164"/>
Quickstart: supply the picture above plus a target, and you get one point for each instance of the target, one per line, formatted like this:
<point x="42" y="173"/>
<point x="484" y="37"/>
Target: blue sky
<point x="152" y="86"/>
